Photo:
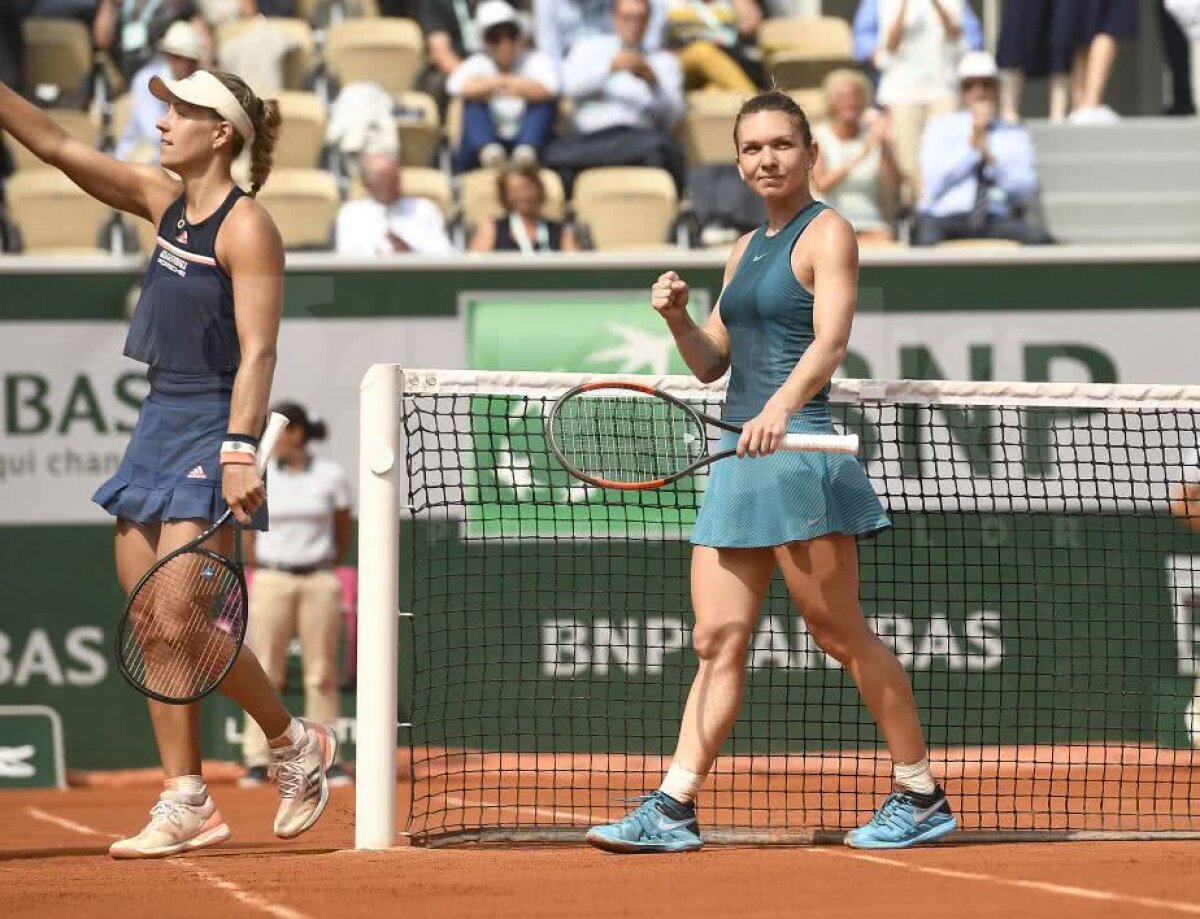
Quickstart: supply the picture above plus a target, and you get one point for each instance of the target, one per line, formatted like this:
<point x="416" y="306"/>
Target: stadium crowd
<point x="398" y="116"/>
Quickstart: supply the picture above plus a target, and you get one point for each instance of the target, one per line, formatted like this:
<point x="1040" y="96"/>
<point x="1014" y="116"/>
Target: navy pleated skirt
<point x="171" y="469"/>
<point x="755" y="502"/>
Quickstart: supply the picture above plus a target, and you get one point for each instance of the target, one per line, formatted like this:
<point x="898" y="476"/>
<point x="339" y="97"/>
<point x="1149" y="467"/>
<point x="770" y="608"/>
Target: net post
<point x="378" y="607"/>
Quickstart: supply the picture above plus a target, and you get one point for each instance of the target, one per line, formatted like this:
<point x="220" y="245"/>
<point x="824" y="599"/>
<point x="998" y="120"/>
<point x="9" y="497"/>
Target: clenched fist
<point x="669" y="296"/>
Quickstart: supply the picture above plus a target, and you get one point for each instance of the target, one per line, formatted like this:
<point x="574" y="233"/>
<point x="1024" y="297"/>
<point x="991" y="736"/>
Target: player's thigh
<point x="822" y="579"/>
<point x="175" y="534"/>
<point x="728" y="587"/>
<point x="135" y="549"/>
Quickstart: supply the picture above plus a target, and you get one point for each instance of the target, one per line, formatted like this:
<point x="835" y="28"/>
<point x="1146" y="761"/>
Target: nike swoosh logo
<point x="757" y="257"/>
<point x="668" y="825"/>
<point x="921" y="816"/>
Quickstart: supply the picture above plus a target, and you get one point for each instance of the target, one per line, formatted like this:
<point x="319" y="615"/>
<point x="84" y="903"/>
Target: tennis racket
<point x="635" y="437"/>
<point x="185" y="621"/>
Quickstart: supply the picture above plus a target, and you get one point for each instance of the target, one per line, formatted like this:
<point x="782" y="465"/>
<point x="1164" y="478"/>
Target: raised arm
<point x="704" y="350"/>
<point x="835" y="291"/>
<point x="250" y="247"/>
<point x="144" y="191"/>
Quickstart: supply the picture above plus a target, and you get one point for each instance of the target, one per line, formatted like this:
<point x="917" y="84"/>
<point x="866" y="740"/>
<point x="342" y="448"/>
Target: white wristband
<point x="239" y="446"/>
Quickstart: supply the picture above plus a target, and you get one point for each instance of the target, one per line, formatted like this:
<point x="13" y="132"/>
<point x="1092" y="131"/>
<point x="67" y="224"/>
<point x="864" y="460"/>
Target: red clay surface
<point x="53" y="863"/>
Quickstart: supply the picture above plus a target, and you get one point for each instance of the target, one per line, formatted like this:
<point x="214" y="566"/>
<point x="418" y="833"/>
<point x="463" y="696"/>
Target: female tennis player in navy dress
<point x="206" y="325"/>
<point x="781" y="328"/>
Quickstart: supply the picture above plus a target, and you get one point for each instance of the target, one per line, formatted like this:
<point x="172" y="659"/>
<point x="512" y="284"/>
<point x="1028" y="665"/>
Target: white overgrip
<point x="820" y="443"/>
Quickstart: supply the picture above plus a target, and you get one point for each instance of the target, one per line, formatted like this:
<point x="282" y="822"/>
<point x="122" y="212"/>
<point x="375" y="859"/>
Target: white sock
<point x="187" y="788"/>
<point x="294" y="734"/>
<point x="681" y="784"/>
<point x="916" y="777"/>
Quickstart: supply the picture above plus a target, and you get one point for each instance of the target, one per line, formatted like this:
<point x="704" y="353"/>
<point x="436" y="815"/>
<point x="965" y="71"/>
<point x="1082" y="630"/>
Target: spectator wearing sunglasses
<point x="508" y="94"/>
<point x="979" y="171"/>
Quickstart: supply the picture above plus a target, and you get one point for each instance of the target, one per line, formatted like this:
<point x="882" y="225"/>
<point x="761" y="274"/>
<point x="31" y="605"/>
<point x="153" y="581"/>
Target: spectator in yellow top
<point x="717" y="43"/>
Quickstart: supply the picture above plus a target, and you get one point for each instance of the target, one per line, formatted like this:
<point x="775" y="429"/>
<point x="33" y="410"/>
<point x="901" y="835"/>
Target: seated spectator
<point x="523" y="228"/>
<point x="131" y="29"/>
<point x="508" y="93"/>
<point x="717" y="41"/>
<point x="856" y="166"/>
<point x="627" y="101"/>
<point x="449" y="27"/>
<point x="386" y="222"/>
<point x="558" y="24"/>
<point x="180" y="54"/>
<point x="977" y="169"/>
<point x="920" y="42"/>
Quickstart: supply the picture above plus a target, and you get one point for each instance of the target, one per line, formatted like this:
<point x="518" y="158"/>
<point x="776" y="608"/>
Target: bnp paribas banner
<point x="69" y="400"/>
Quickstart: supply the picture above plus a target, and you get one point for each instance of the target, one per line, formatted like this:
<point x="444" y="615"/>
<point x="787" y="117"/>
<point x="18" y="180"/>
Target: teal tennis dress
<point x="754" y="502"/>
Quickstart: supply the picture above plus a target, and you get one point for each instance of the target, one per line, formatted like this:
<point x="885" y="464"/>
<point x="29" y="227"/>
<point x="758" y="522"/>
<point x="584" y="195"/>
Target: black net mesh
<point x="1034" y="585"/>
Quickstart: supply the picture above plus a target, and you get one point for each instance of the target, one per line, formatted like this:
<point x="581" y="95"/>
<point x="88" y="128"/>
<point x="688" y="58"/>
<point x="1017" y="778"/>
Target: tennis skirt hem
<point x="783" y="539"/>
<point x="753" y="503"/>
<point x="150" y="505"/>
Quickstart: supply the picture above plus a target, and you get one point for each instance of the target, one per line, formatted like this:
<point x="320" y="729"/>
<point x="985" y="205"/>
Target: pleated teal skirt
<point x="755" y="502"/>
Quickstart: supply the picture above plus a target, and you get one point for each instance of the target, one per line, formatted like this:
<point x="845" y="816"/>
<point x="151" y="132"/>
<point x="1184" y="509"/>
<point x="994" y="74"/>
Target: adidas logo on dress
<point x="197" y="473"/>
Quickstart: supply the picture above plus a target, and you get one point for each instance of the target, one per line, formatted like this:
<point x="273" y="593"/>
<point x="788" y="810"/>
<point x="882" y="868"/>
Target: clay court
<point x="53" y="862"/>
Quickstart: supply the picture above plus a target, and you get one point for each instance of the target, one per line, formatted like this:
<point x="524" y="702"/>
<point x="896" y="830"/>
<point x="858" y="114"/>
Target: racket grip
<point x="821" y="443"/>
<point x="266" y="446"/>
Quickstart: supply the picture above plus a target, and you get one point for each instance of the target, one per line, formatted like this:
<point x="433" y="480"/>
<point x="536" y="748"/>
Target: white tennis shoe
<point x="302" y="772"/>
<point x="175" y="826"/>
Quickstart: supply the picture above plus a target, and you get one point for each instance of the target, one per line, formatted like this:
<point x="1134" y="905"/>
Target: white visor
<point x="206" y="91"/>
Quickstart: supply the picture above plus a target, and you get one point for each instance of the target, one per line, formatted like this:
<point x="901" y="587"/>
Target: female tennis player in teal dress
<point x="206" y="326"/>
<point x="780" y="328"/>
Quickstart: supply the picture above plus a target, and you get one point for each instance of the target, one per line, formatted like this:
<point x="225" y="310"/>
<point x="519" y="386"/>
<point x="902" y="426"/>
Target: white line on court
<point x="1066" y="890"/>
<point x="71" y="825"/>
<point x="242" y="896"/>
<point x="1084" y="893"/>
<point x="573" y="816"/>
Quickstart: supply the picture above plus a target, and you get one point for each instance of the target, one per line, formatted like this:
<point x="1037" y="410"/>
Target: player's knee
<point x="725" y="642"/>
<point x="832" y="638"/>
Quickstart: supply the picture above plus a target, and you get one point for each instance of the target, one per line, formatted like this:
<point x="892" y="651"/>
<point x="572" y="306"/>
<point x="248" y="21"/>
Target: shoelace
<point x="290" y="775"/>
<point x="887" y="815"/>
<point x="166" y="809"/>
<point x="644" y="816"/>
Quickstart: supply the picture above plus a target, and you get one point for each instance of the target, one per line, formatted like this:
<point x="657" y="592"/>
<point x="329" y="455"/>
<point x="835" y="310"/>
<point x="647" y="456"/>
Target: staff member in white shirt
<point x="295" y="591"/>
<point x="387" y="221"/>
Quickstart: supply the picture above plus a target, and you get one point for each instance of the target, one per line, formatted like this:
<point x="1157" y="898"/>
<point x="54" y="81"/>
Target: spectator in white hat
<point x="508" y="93"/>
<point x="179" y="53"/>
<point x="977" y="170"/>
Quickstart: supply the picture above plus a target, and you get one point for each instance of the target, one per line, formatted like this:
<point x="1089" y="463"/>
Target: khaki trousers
<point x="282" y="606"/>
<point x="908" y="123"/>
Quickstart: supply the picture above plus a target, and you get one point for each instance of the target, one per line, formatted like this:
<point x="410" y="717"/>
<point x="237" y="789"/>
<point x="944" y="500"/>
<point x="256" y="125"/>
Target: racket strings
<point x="628" y="438"/>
<point x="183" y="626"/>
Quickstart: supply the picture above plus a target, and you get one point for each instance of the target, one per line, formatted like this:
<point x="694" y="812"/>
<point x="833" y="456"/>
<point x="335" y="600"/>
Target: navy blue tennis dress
<point x="184" y="330"/>
<point x="753" y="502"/>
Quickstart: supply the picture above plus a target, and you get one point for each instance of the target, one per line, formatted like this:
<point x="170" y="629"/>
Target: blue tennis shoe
<point x="905" y="819"/>
<point x="658" y="824"/>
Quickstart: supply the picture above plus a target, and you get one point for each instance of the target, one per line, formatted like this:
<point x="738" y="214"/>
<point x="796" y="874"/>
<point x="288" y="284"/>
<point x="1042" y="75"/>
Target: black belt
<point x="299" y="569"/>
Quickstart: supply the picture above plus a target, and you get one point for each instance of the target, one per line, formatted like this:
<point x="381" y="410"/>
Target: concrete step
<point x="1096" y="216"/>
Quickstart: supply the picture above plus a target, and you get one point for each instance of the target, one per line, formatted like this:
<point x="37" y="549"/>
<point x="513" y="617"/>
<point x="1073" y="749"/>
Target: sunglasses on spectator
<point x="975" y="82"/>
<point x="501" y="32"/>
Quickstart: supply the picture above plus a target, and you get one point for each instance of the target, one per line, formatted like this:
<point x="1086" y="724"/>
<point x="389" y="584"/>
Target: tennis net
<point x="1034" y="585"/>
